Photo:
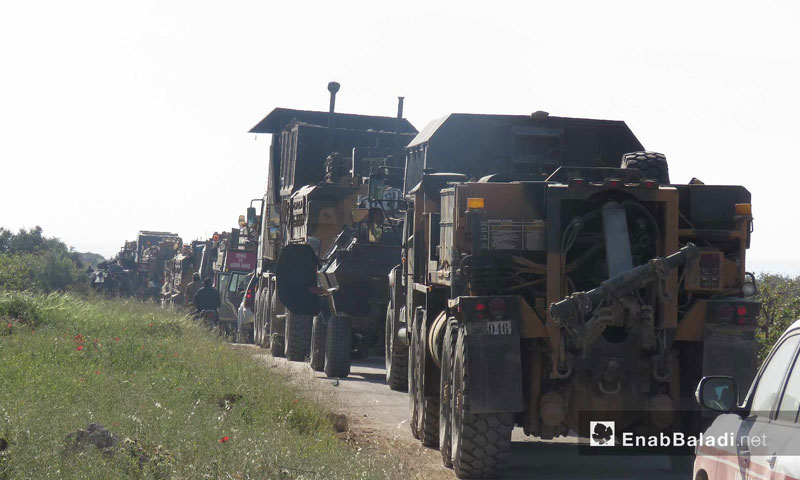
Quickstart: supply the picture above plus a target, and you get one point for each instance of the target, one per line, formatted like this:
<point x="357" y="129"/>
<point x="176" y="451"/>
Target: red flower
<point x="97" y="372"/>
<point x="116" y="339"/>
<point x="10" y="326"/>
<point x="224" y="440"/>
<point x="80" y="347"/>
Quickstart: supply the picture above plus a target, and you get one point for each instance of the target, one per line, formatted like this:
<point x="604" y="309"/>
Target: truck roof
<point x="278" y="118"/>
<point x="478" y="145"/>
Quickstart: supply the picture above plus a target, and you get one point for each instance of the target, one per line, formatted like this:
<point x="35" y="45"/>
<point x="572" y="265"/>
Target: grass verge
<point x="180" y="402"/>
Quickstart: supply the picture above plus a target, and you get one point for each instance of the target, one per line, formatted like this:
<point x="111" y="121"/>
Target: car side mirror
<point x="717" y="393"/>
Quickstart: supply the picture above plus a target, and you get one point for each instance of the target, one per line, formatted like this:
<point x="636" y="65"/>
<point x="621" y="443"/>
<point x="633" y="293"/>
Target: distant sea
<point x="790" y="268"/>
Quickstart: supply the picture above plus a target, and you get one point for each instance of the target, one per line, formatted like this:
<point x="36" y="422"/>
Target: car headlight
<point x="749" y="286"/>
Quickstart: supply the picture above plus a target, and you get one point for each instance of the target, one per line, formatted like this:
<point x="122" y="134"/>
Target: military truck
<point x="233" y="257"/>
<point x="547" y="283"/>
<point x="155" y="251"/>
<point x="313" y="186"/>
<point x="179" y="271"/>
<point x="353" y="272"/>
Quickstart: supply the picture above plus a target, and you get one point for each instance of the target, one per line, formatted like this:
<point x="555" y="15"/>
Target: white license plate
<point x="499" y="327"/>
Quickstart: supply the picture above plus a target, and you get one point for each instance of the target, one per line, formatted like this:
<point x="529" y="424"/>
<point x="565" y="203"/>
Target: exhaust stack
<point x="333" y="87"/>
<point x="399" y="120"/>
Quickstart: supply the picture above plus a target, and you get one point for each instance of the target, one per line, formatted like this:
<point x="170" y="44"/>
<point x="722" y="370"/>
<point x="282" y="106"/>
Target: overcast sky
<point x="122" y="116"/>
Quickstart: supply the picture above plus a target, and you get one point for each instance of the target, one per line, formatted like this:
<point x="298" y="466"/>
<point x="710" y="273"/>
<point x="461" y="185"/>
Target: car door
<point x="755" y="459"/>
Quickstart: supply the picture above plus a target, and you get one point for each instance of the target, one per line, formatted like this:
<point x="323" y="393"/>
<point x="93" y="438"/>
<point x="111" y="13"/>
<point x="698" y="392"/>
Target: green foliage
<point x="30" y="261"/>
<point x="780" y="307"/>
<point x="160" y="381"/>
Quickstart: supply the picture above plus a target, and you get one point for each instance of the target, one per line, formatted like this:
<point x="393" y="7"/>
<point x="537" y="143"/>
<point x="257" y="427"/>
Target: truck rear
<point x="598" y="293"/>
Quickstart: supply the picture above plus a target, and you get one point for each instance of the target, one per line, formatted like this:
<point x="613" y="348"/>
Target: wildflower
<point x="97" y="372"/>
<point x="10" y="326"/>
<point x="294" y="402"/>
<point x="116" y="339"/>
<point x="224" y="440"/>
<point x="80" y="347"/>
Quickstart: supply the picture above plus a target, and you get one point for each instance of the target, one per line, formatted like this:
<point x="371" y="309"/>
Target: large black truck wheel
<point x="298" y="336"/>
<point x="338" y="345"/>
<point x="652" y="165"/>
<point x="446" y="393"/>
<point x="318" y="344"/>
<point x="257" y="322"/>
<point x="396" y="358"/>
<point x="427" y="407"/>
<point x="276" y="344"/>
<point x="481" y="442"/>
<point x="413" y="381"/>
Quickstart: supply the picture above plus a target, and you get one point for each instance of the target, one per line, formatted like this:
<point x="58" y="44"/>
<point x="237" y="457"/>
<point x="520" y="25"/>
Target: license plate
<point x="499" y="327"/>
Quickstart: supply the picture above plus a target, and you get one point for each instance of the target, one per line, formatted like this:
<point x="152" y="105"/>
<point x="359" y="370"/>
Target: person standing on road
<point x="191" y="289"/>
<point x="207" y="298"/>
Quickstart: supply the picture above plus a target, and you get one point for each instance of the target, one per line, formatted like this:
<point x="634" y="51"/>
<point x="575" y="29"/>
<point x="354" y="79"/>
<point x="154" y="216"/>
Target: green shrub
<point x="31" y="262"/>
<point x="780" y="307"/>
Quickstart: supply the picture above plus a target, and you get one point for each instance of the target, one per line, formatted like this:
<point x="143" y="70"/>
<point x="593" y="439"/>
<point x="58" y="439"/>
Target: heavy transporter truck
<point x="544" y="286"/>
<point x="316" y="186"/>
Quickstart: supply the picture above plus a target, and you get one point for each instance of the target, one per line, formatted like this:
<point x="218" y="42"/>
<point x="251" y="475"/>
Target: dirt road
<point x="379" y="416"/>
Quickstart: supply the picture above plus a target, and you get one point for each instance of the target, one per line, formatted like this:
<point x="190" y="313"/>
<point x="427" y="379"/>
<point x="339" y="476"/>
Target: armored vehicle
<point x="562" y="279"/>
<point x="315" y="182"/>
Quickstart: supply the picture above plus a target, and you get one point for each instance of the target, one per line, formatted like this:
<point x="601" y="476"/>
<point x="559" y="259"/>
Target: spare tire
<point x="652" y="165"/>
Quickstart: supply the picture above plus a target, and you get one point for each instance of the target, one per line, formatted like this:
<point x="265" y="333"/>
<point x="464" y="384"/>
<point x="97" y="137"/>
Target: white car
<point x="761" y="438"/>
<point x="244" y="315"/>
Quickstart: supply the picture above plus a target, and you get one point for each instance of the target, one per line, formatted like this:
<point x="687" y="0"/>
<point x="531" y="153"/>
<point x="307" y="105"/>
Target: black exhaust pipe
<point x="399" y="121"/>
<point x="333" y="87"/>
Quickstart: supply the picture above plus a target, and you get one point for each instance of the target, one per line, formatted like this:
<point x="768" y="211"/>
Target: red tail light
<point x="741" y="311"/>
<point x="649" y="184"/>
<point x="249" y="301"/>
<point x="479" y="307"/>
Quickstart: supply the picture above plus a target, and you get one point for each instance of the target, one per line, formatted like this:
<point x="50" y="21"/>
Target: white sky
<point x="121" y="116"/>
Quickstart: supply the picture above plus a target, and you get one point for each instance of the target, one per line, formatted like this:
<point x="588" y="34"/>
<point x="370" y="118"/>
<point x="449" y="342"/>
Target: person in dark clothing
<point x="207" y="298"/>
<point x="191" y="289"/>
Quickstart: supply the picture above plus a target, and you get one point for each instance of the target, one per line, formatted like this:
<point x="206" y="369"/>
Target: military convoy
<point x="524" y="271"/>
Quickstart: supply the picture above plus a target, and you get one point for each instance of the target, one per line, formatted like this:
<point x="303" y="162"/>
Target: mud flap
<point x="495" y="373"/>
<point x="731" y="353"/>
<point x="296" y="272"/>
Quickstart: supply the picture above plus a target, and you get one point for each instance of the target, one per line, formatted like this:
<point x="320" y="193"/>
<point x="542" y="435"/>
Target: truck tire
<point x="338" y="345"/>
<point x="481" y="442"/>
<point x="261" y="316"/>
<point x="446" y="393"/>
<point x="427" y="407"/>
<point x="297" y="336"/>
<point x="396" y="362"/>
<point x="413" y="399"/>
<point x="276" y="343"/>
<point x="318" y="344"/>
<point x="652" y="165"/>
<point x="257" y="321"/>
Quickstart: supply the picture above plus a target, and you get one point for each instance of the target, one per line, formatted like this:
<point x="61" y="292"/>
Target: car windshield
<point x="769" y="384"/>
